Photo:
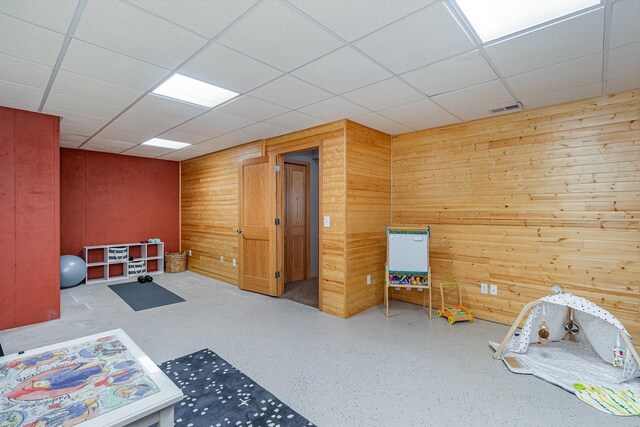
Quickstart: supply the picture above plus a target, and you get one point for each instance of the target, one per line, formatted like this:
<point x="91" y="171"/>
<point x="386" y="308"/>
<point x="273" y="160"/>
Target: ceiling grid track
<point x="63" y="51"/>
<point x="206" y="45"/>
<point x="608" y="11"/>
<point x="468" y="28"/>
<point x="350" y="44"/>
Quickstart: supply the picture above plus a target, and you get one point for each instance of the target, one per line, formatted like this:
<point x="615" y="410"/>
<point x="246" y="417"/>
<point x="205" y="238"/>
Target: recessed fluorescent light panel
<point x="166" y="143"/>
<point x="194" y="91"/>
<point x="492" y="19"/>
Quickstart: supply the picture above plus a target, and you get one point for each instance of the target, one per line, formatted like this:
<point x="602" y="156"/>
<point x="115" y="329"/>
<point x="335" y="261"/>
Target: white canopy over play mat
<point x="571" y="342"/>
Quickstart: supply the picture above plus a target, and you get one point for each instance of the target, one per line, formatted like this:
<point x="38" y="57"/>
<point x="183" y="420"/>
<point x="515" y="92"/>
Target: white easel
<point x="408" y="255"/>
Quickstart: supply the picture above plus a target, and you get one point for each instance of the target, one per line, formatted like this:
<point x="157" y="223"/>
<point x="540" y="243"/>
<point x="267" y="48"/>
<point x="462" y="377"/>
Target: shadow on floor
<point x="303" y="292"/>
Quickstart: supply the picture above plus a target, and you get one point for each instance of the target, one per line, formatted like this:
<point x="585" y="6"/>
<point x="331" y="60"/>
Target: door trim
<point x="315" y="143"/>
<point x="307" y="235"/>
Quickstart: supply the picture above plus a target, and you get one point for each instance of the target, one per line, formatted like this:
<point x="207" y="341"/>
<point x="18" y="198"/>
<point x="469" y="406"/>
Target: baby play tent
<point x="572" y="342"/>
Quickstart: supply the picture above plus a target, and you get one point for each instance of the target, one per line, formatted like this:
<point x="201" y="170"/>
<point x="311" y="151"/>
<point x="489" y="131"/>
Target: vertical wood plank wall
<point x="209" y="210"/>
<point x="334" y="204"/>
<point x="368" y="212"/>
<point x="528" y="200"/>
<point x="331" y="138"/>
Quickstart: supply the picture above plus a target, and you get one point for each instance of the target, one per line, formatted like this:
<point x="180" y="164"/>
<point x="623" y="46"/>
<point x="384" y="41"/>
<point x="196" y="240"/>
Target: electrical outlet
<point x="233" y="262"/>
<point x="190" y="252"/>
<point x="221" y="258"/>
<point x="368" y="279"/>
<point x="484" y="288"/>
<point x="493" y="289"/>
<point x="327" y="221"/>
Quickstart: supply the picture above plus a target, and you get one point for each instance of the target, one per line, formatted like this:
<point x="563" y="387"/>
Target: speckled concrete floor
<point x="364" y="371"/>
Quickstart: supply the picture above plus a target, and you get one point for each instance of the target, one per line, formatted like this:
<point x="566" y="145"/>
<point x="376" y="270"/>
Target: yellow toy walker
<point x="459" y="313"/>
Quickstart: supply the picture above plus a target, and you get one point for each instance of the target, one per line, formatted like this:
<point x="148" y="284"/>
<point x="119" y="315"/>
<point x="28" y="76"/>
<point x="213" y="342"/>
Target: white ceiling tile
<point x="102" y="64"/>
<point x="183" y="154"/>
<point x="205" y="17"/>
<point x="72" y="137"/>
<point x="102" y="148"/>
<point x="335" y="108"/>
<point x="54" y="15"/>
<point x="23" y="72"/>
<point x="18" y="105"/>
<point x="228" y="69"/>
<point x="621" y="84"/>
<point x="560" y="96"/>
<point x="290" y="92"/>
<point x="278" y="36"/>
<point x="468" y="103"/>
<point x="93" y="89"/>
<point x="125" y="29"/>
<point x="385" y="94"/>
<point x="213" y="123"/>
<point x="624" y="61"/>
<point x="625" y="23"/>
<point x="578" y="72"/>
<point x="77" y="119"/>
<point x="563" y="41"/>
<point x="224" y="120"/>
<point x="108" y="145"/>
<point x="228" y="140"/>
<point x="342" y="71"/>
<point x="125" y="131"/>
<point x="69" y="144"/>
<point x="417" y="115"/>
<point x="381" y="123"/>
<point x="294" y="120"/>
<point x="225" y="141"/>
<point x="425" y="37"/>
<point x="252" y="108"/>
<point x="455" y="73"/>
<point x="147" y="151"/>
<point x="355" y="18"/>
<point x="72" y="104"/>
<point x="17" y="93"/>
<point x="138" y="117"/>
<point x="28" y="41"/>
<point x="174" y="135"/>
<point x="168" y="107"/>
<point x="82" y="131"/>
<point x="261" y="131"/>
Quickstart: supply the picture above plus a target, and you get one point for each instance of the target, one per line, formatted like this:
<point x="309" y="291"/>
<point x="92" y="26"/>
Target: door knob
<point x="239" y="230"/>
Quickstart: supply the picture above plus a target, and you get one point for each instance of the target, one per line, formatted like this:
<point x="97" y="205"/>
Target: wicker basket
<point x="175" y="262"/>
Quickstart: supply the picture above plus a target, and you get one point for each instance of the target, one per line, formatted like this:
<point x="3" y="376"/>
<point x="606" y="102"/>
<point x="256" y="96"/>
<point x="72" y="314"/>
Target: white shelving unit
<point x="97" y="258"/>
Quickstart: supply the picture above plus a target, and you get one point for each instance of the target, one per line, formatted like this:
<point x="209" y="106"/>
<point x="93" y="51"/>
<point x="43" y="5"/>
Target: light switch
<point x="327" y="221"/>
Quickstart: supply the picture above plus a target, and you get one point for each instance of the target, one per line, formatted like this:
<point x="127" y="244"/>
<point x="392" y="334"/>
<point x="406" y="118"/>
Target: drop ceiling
<point x="396" y="66"/>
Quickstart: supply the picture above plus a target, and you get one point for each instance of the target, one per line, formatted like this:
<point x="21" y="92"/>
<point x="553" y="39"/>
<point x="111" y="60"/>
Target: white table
<point x="116" y="374"/>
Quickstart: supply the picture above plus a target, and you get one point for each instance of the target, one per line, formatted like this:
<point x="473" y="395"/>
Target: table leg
<point x="166" y="417"/>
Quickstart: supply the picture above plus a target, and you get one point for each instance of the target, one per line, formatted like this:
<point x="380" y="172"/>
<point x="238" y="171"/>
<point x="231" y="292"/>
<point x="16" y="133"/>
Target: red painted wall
<point x="110" y="198"/>
<point x="29" y="218"/>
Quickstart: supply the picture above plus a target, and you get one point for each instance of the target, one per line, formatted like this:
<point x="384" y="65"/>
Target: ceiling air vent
<point x="513" y="107"/>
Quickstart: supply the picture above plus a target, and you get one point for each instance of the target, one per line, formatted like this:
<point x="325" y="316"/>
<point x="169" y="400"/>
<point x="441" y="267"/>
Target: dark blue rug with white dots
<point x="218" y="395"/>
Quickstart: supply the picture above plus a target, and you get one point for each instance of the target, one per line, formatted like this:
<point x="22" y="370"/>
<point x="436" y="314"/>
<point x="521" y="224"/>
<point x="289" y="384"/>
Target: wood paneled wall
<point x="528" y="200"/>
<point x="209" y="210"/>
<point x="333" y="238"/>
<point x="368" y="173"/>
<point x="331" y="140"/>
<point x="209" y="213"/>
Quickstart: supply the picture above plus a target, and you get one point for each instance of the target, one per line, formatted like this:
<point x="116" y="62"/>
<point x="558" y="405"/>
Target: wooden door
<point x="296" y="221"/>
<point x="257" y="233"/>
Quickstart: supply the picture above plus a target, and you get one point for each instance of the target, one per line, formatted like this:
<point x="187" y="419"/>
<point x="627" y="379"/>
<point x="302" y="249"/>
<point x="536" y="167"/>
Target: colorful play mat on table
<point x="71" y="384"/>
